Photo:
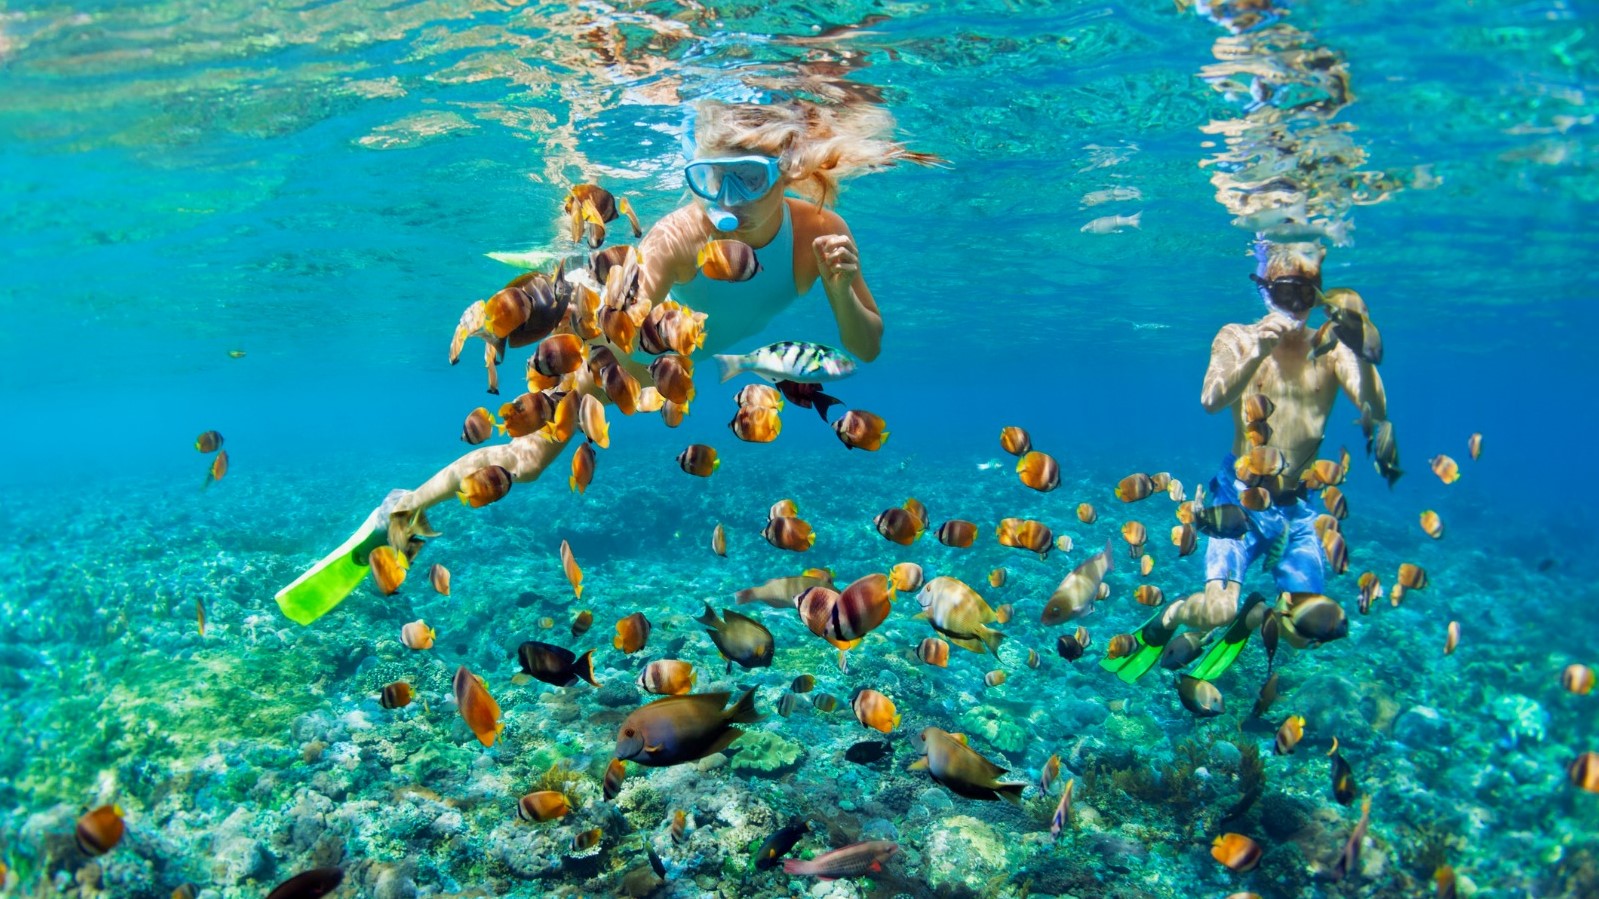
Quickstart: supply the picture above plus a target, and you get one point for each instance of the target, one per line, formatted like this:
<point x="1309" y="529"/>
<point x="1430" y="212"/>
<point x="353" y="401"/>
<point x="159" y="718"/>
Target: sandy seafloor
<point x="260" y="750"/>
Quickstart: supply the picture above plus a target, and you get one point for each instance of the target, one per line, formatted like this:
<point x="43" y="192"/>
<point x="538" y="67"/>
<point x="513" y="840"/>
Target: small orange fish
<point x="1258" y="407"/>
<point x="1337" y="506"/>
<point x="762" y="396"/>
<point x="1337" y="551"/>
<point x="674" y="377"/>
<point x="679" y="826"/>
<point x="1149" y="595"/>
<point x="1135" y="533"/>
<point x="1370" y="590"/>
<point x="1324" y="523"/>
<point x="219" y="468"/>
<point x="1257" y="432"/>
<point x="591" y="418"/>
<point x="1039" y="471"/>
<point x="996" y="577"/>
<point x="632" y="633"/>
<point x="1445" y="468"/>
<point x="792" y="534"/>
<point x="1160" y="480"/>
<point x="564" y="423"/>
<point x="1584" y="772"/>
<point x="1134" y="487"/>
<point x="583" y="461"/>
<point x="1255" y="499"/>
<point x="615" y="773"/>
<point x="478" y="427"/>
<point x="756" y="424"/>
<point x="1267" y="461"/>
<point x="1578" y="679"/>
<point x="783" y="508"/>
<point x="1289" y="735"/>
<point x="545" y="805"/>
<point x="934" y="652"/>
<point x="588" y="839"/>
<point x="1033" y="536"/>
<point x="439" y="578"/>
<point x="484" y="486"/>
<point x="719" y="541"/>
<point x="388" y="568"/>
<point x="558" y="354"/>
<point x="417" y="635"/>
<point x="699" y="460"/>
<point x="1412" y="577"/>
<point x="527" y="414"/>
<point x="1120" y="646"/>
<point x="100" y="830"/>
<point x="582" y="623"/>
<point x="1015" y="441"/>
<point x="208" y="442"/>
<point x="569" y="567"/>
<point x="1432" y="524"/>
<point x="395" y="696"/>
<point x="727" y="260"/>
<point x="1003" y="613"/>
<point x="906" y="577"/>
<point x="1452" y="638"/>
<point x="1184" y="538"/>
<point x="1086" y="513"/>
<point x="1146" y="564"/>
<point x="1064" y="543"/>
<point x="672" y="415"/>
<point x="667" y="677"/>
<point x="199" y="608"/>
<point x="958" y="533"/>
<point x="993" y="678"/>
<point x="1238" y="852"/>
<point x="622" y="388"/>
<point x="478" y="708"/>
<point x="1033" y="660"/>
<point x="1474" y="445"/>
<point x="874" y="710"/>
<point x="1328" y="472"/>
<point x="859" y="429"/>
<point x="899" y="526"/>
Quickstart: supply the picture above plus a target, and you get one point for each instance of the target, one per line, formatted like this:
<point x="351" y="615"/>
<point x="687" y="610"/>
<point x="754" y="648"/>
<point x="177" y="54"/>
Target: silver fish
<point x="1112" y="194"/>
<point x="805" y="363"/>
<point x="1110" y="224"/>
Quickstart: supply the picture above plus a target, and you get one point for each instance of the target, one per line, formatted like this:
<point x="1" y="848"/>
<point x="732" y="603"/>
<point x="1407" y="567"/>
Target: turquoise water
<point x="317" y="185"/>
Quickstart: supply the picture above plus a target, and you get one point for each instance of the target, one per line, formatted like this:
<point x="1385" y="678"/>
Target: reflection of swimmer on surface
<point x="747" y="158"/>
<point x="1273" y="358"/>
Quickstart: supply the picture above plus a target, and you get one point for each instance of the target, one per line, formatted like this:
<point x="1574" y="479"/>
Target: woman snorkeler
<point x="747" y="159"/>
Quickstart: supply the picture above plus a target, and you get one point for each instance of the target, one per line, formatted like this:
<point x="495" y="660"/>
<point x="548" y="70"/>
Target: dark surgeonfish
<point x="778" y="844"/>
<point x="739" y="638"/>
<point x="681" y="729"/>
<point x="957" y="766"/>
<point x="808" y="396"/>
<point x="554" y="665"/>
<point x="311" y="884"/>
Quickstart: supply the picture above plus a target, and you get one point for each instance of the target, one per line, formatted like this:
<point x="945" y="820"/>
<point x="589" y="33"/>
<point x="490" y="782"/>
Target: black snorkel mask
<point x="1293" y="294"/>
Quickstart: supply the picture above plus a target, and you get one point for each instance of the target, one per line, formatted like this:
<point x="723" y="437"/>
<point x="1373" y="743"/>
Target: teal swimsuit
<point x="738" y="310"/>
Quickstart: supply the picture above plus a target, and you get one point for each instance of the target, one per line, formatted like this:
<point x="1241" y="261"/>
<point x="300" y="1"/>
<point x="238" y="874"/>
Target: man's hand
<point x="836" y="261"/>
<point x="1273" y="329"/>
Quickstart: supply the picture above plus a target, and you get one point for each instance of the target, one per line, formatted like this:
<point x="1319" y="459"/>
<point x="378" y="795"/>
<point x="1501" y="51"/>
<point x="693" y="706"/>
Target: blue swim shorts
<point x="1302" y="566"/>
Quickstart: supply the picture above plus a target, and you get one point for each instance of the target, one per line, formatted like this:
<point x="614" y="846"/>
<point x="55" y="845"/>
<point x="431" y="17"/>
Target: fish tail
<point x="743" y="711"/>
<point x="822" y="402"/>
<point x="730" y="366"/>
<point x="1135" y="218"/>
<point x="584" y="667"/>
<point x="709" y="619"/>
<point x="991" y="638"/>
<point x="1011" y="793"/>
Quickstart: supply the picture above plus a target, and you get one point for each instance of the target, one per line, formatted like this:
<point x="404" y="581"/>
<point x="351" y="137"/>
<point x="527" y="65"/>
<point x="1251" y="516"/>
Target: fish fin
<point x="991" y="638"/>
<point x="709" y="619"/>
<point x="723" y="740"/>
<point x="652" y="748"/>
<point x="918" y="765"/>
<point x="584" y="667"/>
<point x="730" y="366"/>
<point x="1011" y="793"/>
<point x="920" y="616"/>
<point x="822" y="402"/>
<point x="743" y="711"/>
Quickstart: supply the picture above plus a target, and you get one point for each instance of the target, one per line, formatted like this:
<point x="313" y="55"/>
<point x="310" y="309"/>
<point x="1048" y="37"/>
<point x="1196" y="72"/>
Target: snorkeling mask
<point x="730" y="181"/>
<point x="1293" y="294"/>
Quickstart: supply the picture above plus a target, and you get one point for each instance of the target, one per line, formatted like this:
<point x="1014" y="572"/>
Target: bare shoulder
<point x="1234" y="333"/>
<point x="811" y="221"/>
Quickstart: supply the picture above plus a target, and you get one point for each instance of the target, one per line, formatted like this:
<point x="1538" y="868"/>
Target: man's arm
<point x="1235" y="356"/>
<point x="1361" y="382"/>
<point x="860" y="325"/>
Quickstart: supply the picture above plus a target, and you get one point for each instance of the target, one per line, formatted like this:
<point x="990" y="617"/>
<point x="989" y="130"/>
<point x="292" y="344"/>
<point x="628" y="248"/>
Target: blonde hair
<point x="816" y="146"/>
<point x="1290" y="259"/>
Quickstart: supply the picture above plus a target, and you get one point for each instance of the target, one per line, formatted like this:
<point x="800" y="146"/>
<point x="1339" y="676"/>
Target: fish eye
<point x="628" y="732"/>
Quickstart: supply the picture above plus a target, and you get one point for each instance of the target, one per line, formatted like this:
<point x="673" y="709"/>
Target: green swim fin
<point x="1222" y="655"/>
<point x="1151" y="637"/>
<point x="321" y="588"/>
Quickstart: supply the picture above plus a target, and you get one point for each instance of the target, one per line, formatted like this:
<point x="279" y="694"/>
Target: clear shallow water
<point x="317" y="185"/>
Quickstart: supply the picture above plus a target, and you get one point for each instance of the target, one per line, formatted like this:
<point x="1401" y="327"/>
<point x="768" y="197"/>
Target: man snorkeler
<point x="1273" y="358"/>
<point x="747" y="158"/>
